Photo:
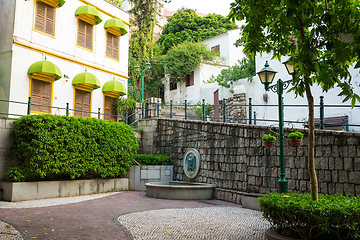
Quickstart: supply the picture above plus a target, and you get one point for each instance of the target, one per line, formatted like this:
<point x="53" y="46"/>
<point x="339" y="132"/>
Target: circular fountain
<point x="178" y="190"/>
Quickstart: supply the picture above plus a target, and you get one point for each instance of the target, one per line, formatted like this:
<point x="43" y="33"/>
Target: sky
<point x="203" y="6"/>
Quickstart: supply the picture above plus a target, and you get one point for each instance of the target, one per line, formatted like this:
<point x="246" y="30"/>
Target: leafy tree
<point x="227" y="77"/>
<point x="178" y="62"/>
<point x="186" y="25"/>
<point x="184" y="57"/>
<point x="321" y="36"/>
<point x="117" y="3"/>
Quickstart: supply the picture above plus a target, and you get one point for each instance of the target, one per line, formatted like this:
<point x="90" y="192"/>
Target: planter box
<point x="248" y="200"/>
<point x="139" y="175"/>
<point x="21" y="191"/>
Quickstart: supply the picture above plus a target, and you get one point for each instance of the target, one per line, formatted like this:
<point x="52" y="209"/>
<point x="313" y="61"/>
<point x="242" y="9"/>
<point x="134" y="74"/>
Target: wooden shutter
<point x="108" y="108"/>
<point x="192" y="78"/>
<point x="35" y="94"/>
<point x="112" y="46"/>
<point x="85" y="35"/>
<point x="86" y="104"/>
<point x="116" y="47"/>
<point x="41" y="95"/>
<point x="45" y="18"/>
<point x="50" y="20"/>
<point x="89" y="36"/>
<point x="78" y="102"/>
<point x="109" y="42"/>
<point x="46" y="97"/>
<point x="82" y="103"/>
<point x="81" y="33"/>
<point x="40" y="16"/>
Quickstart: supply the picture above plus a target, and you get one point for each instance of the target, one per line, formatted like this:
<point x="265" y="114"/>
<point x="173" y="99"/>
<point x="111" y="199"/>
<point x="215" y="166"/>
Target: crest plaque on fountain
<point x="191" y="163"/>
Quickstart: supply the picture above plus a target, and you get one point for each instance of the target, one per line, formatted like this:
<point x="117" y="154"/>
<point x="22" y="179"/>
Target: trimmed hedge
<point x="50" y="147"/>
<point x="150" y="159"/>
<point x="296" y="215"/>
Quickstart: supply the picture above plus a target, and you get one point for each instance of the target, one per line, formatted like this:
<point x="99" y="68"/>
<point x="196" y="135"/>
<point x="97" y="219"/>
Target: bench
<point x="332" y="123"/>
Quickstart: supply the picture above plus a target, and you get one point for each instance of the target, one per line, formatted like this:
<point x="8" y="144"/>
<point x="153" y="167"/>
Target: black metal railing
<point x="67" y="110"/>
<point x="206" y="112"/>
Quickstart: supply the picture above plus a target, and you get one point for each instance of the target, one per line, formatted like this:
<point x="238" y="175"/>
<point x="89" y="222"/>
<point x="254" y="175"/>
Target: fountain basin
<point x="178" y="190"/>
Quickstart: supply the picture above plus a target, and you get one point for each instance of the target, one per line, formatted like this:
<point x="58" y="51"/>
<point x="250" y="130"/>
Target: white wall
<point x="64" y="46"/>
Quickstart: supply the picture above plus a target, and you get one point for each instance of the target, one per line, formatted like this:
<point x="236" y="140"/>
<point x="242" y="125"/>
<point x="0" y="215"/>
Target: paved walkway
<point x="128" y="215"/>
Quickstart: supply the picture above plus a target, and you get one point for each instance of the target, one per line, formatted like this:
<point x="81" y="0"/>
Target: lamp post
<point x="266" y="76"/>
<point x="147" y="69"/>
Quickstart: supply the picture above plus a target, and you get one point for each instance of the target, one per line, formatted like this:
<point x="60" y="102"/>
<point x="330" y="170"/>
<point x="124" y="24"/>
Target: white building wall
<point x="66" y="55"/>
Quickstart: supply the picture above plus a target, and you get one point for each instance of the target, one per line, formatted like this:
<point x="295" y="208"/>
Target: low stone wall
<point x="139" y="175"/>
<point x="22" y="191"/>
<point x="234" y="158"/>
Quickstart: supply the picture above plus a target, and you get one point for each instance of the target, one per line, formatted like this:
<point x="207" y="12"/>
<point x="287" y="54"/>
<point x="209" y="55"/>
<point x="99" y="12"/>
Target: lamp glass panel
<point x="262" y="76"/>
<point x="289" y="67"/>
<point x="271" y="76"/>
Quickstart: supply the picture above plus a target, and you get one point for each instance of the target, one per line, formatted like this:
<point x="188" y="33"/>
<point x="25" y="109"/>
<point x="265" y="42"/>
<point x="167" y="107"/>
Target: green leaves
<point x="186" y="25"/>
<point x="296" y="215"/>
<point x="183" y="58"/>
<point x="322" y="37"/>
<point x="151" y="159"/>
<point x="50" y="147"/>
<point x="244" y="69"/>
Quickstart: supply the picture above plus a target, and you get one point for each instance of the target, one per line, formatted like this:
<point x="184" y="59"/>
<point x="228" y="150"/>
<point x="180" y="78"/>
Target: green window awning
<point x="45" y="70"/>
<point x="54" y="3"/>
<point x="88" y="14"/>
<point x="114" y="89"/>
<point x="116" y="27"/>
<point x="86" y="81"/>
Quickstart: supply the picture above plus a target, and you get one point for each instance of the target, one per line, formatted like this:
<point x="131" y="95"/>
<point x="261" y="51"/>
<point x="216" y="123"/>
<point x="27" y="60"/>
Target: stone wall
<point x="232" y="108"/>
<point x="6" y="142"/>
<point x="234" y="158"/>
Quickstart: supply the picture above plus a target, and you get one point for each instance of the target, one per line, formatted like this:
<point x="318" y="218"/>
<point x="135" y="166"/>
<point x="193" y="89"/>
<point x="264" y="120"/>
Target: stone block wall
<point x="148" y="130"/>
<point x="233" y="110"/>
<point x="234" y="158"/>
<point x="6" y="142"/>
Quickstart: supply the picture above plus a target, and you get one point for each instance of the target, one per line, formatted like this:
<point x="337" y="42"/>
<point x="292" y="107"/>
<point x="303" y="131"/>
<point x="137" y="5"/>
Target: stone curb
<point x="272" y="235"/>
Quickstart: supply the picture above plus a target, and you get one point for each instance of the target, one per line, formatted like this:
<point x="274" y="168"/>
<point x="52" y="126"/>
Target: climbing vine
<point x="141" y="47"/>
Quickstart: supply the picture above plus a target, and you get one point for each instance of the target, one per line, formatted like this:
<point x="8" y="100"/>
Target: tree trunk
<point x="311" y="146"/>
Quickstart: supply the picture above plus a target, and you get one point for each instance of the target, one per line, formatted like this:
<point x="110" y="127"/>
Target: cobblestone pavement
<point x="98" y="218"/>
<point x="196" y="223"/>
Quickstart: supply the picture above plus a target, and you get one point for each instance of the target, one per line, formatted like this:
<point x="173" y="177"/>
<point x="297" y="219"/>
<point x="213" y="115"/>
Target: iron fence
<point x="205" y="112"/>
<point x="336" y="123"/>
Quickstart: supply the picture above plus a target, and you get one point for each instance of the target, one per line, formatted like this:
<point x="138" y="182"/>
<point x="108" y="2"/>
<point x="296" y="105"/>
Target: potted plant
<point x="268" y="140"/>
<point x="295" y="138"/>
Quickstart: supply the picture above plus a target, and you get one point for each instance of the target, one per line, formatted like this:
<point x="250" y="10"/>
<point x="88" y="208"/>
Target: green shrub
<point x="296" y="215"/>
<point x="268" y="137"/>
<point x="295" y="135"/>
<point x="150" y="159"/>
<point x="50" y="147"/>
<point x="199" y="110"/>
